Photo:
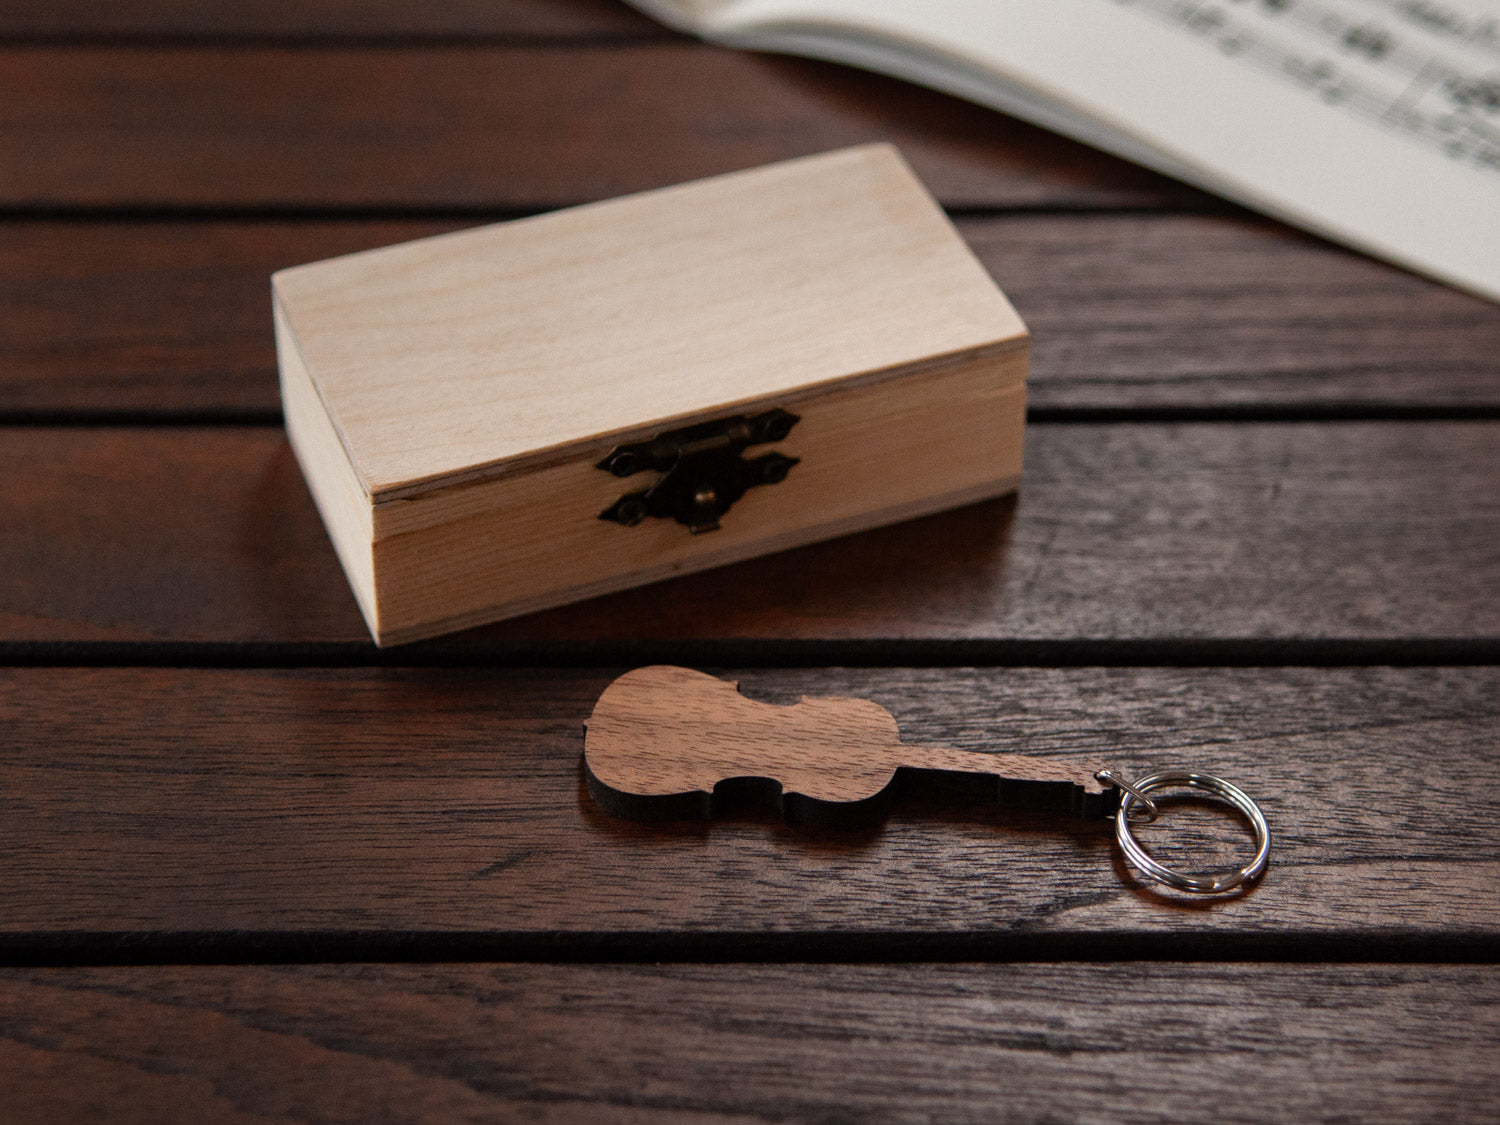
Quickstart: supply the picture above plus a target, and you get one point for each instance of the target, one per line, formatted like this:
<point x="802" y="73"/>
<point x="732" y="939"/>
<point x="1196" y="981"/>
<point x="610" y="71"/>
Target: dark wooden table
<point x="252" y="869"/>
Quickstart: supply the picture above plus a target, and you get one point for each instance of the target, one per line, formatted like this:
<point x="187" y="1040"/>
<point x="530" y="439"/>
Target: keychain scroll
<point x="667" y="743"/>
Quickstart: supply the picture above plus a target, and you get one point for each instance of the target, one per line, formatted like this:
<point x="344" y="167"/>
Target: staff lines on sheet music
<point x="1369" y="36"/>
<point x="1359" y="65"/>
<point x="1481" y="33"/>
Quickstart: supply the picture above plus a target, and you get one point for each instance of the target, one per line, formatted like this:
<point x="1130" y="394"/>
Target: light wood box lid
<point x="485" y="352"/>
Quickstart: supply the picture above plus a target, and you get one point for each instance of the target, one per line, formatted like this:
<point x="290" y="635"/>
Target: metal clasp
<point x="704" y="473"/>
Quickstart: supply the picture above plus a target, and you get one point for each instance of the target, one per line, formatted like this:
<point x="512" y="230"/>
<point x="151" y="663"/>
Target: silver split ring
<point x="1207" y="783"/>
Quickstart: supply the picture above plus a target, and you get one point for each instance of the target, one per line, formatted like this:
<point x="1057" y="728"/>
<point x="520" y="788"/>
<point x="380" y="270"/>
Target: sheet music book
<point x="1375" y="123"/>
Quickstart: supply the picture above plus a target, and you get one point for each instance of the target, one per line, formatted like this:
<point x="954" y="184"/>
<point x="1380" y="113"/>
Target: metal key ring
<point x="1195" y="884"/>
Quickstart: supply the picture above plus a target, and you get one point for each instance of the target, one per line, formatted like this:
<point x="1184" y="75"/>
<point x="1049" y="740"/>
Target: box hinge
<point x="703" y="470"/>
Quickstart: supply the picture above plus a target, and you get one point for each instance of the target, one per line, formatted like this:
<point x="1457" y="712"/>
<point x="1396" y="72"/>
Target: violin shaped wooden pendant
<point x="669" y="743"/>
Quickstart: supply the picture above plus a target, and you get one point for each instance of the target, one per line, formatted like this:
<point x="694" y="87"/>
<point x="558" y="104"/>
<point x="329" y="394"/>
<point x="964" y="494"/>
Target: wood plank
<point x="205" y="812"/>
<point x="489" y="127"/>
<point x="1143" y="532"/>
<point x="171" y="317"/>
<point x="1143" y="311"/>
<point x="352" y="19"/>
<point x="1141" y="1043"/>
<point x="155" y="316"/>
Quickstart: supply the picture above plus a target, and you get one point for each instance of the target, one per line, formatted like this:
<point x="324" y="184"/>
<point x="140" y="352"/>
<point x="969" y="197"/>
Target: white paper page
<point x="1374" y="122"/>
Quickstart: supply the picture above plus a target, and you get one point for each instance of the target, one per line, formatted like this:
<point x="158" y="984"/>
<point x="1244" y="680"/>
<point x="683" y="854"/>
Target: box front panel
<point x="868" y="454"/>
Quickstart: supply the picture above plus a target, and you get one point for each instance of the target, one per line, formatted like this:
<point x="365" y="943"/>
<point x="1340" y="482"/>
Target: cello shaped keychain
<point x="667" y="743"/>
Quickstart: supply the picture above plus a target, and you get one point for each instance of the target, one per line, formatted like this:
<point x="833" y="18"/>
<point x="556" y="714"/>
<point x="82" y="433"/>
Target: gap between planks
<point x="331" y="23"/>
<point x="52" y="949"/>
<point x="1292" y="413"/>
<point x="459" y="652"/>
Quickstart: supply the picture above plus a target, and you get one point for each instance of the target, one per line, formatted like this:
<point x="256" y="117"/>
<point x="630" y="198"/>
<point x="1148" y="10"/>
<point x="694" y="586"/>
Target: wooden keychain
<point x="667" y="743"/>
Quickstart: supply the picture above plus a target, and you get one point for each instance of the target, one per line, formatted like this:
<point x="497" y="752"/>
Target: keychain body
<point x="668" y="743"/>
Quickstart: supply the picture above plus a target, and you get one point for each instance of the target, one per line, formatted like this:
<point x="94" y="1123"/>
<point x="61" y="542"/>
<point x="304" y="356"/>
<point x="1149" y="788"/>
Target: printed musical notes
<point x="1427" y="69"/>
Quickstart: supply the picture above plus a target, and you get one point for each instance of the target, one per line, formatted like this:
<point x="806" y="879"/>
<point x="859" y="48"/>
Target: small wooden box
<point x="509" y="418"/>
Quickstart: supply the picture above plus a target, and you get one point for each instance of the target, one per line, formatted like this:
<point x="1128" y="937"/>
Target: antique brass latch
<point x="704" y="473"/>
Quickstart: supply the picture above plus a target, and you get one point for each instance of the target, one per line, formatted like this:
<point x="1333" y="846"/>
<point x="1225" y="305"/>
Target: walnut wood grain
<point x="1143" y="311"/>
<point x="663" y="741"/>
<point x="1368" y="532"/>
<point x="489" y="127"/>
<point x="122" y="20"/>
<point x="173" y="317"/>
<point x="220" y="804"/>
<point x="1143" y="1043"/>
<point x="165" y="316"/>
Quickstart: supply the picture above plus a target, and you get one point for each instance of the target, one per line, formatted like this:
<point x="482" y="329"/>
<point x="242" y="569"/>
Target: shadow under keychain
<point x="666" y="743"/>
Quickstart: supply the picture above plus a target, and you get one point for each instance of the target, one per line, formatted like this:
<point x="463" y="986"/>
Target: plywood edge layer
<point x="401" y="511"/>
<point x="286" y="328"/>
<point x="738" y="553"/>
<point x="340" y="499"/>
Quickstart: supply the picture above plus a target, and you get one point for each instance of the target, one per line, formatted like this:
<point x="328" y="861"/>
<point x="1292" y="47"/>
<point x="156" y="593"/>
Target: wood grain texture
<point x="1001" y="1043"/>
<point x="511" y="547"/>
<point x="1134" y="311"/>
<point x="464" y="357"/>
<point x="1143" y="311"/>
<point x="474" y="381"/>
<point x="1375" y="531"/>
<point x="240" y="813"/>
<point x="663" y="740"/>
<point x="317" y="19"/>
<point x="489" y="128"/>
<point x="387" y="802"/>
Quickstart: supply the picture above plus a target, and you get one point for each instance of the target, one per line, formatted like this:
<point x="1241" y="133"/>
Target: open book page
<point x="1373" y="122"/>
